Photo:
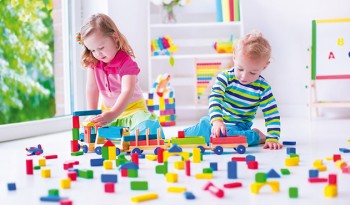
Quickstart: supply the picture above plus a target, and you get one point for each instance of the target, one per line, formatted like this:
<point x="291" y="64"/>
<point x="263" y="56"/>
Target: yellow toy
<point x="224" y="46"/>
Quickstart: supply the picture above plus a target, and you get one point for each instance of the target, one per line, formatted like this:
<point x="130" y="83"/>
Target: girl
<point x="113" y="76"/>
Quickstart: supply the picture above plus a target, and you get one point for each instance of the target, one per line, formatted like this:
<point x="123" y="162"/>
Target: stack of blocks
<point x="162" y="101"/>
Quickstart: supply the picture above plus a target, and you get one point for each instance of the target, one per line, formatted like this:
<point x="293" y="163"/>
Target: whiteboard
<point x="331" y="49"/>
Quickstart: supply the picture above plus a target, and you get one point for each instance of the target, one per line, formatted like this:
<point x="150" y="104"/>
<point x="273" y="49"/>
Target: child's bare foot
<point x="261" y="135"/>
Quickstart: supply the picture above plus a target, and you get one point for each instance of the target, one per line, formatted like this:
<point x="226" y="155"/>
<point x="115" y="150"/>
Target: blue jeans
<point x="203" y="128"/>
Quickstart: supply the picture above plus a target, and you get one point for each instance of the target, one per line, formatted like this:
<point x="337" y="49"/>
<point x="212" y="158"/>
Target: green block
<point x="293" y="155"/>
<point x="162" y="168"/>
<point x="75" y="133"/>
<point x="53" y="192"/>
<point x="85" y="173"/>
<point x="293" y="192"/>
<point x="105" y="153"/>
<point x="260" y="177"/>
<point x="77" y="153"/>
<point x="285" y="171"/>
<point x="133" y="173"/>
<point x="36" y="167"/>
<point x="139" y="185"/>
<point x="121" y="160"/>
<point x="207" y="170"/>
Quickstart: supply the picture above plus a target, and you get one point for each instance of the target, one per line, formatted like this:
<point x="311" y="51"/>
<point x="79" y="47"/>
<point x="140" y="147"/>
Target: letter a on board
<point x="331" y="55"/>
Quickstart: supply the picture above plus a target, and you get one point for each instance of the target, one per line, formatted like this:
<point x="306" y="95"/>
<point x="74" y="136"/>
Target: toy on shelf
<point x="35" y="150"/>
<point x="163" y="46"/>
<point x="161" y="100"/>
<point x="222" y="46"/>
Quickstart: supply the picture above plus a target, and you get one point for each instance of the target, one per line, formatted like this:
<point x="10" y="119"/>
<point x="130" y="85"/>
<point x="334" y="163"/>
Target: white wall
<point x="287" y="24"/>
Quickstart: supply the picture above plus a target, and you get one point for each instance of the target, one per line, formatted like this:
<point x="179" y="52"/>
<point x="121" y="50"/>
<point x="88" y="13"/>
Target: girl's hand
<point x="218" y="126"/>
<point x="273" y="145"/>
<point x="103" y="119"/>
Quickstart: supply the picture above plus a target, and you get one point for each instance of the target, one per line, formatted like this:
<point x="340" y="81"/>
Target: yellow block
<point x="340" y="164"/>
<point x="185" y="155"/>
<point x="204" y="176"/>
<point x="318" y="162"/>
<point x="88" y="124"/>
<point x="112" y="153"/>
<point x="150" y="102"/>
<point x="331" y="191"/>
<point x="256" y="186"/>
<point x="108" y="164"/>
<point x="196" y="155"/>
<point x="46" y="173"/>
<point x="179" y="165"/>
<point x="177" y="189"/>
<point x="144" y="197"/>
<point x="161" y="103"/>
<point x="321" y="168"/>
<point x="65" y="183"/>
<point x="294" y="161"/>
<point x="42" y="162"/>
<point x="151" y="157"/>
<point x="171" y="177"/>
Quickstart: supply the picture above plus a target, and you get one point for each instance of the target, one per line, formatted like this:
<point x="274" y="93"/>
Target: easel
<point x="330" y="73"/>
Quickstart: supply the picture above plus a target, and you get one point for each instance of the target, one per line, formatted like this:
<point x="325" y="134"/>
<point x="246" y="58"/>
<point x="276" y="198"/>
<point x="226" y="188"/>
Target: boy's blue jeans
<point x="203" y="128"/>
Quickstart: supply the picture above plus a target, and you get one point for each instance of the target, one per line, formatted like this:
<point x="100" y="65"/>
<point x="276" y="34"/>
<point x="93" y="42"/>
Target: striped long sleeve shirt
<point x="233" y="102"/>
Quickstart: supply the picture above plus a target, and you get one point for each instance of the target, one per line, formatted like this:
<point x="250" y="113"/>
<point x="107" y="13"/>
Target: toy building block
<point x="51" y="199"/>
<point x="87" y="112"/>
<point x="249" y="158"/>
<point x="160" y="155"/>
<point x="188" y="167"/>
<point x="109" y="187"/>
<point x="152" y="157"/>
<point x="69" y="164"/>
<point x="54" y="192"/>
<point x="171" y="177"/>
<point x="285" y="171"/>
<point x="29" y="166"/>
<point x="291" y="150"/>
<point x="124" y="172"/>
<point x="72" y="176"/>
<point x="166" y="155"/>
<point x="111" y="178"/>
<point x="196" y="155"/>
<point x="332" y="179"/>
<point x="255" y="187"/>
<point x="121" y="160"/>
<point x="233" y="185"/>
<point x="346" y="170"/>
<point x="253" y="164"/>
<point x="52" y="156"/>
<point x="189" y="195"/>
<point x="293" y="161"/>
<point x="65" y="183"/>
<point x="289" y="142"/>
<point x="313" y="173"/>
<point x="336" y="157"/>
<point x="135" y="158"/>
<point x="42" y="162"/>
<point x="175" y="148"/>
<point x="144" y="197"/>
<point x="96" y="162"/>
<point x="133" y="173"/>
<point x="204" y="176"/>
<point x="66" y="202"/>
<point x="181" y="134"/>
<point x="340" y="164"/>
<point x="85" y="173"/>
<point x="331" y="191"/>
<point x="273" y="174"/>
<point x="139" y="185"/>
<point x="214" y="190"/>
<point x="232" y="170"/>
<point x="46" y="173"/>
<point x="260" y="177"/>
<point x="77" y="153"/>
<point x="75" y="134"/>
<point x="238" y="159"/>
<point x="37" y="167"/>
<point x="293" y="192"/>
<point x="176" y="189"/>
<point x="318" y="164"/>
<point x="108" y="164"/>
<point x="207" y="170"/>
<point x="179" y="165"/>
<point x="344" y="150"/>
<point x="109" y="150"/>
<point x="214" y="166"/>
<point x="74" y="145"/>
<point x="11" y="186"/>
<point x="317" y="180"/>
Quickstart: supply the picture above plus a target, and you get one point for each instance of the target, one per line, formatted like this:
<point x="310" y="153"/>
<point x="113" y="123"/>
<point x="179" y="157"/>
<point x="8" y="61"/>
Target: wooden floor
<point x="316" y="140"/>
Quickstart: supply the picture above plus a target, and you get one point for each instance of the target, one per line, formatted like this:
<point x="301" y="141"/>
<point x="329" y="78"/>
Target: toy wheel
<point x="218" y="150"/>
<point x="85" y="149"/>
<point x="156" y="150"/>
<point x="117" y="151"/>
<point x="98" y="150"/>
<point x="136" y="150"/>
<point x="240" y="149"/>
<point x="201" y="148"/>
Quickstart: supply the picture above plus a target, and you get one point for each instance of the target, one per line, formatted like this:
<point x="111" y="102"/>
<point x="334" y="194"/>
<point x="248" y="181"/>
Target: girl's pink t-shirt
<point x="109" y="78"/>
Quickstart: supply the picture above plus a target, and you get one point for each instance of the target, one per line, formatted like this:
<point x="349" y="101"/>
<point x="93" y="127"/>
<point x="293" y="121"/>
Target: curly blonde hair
<point x="254" y="45"/>
<point x="105" y="25"/>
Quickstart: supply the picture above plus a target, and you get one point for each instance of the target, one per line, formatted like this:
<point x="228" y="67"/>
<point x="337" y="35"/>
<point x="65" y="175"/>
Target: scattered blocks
<point x="289" y="143"/>
<point x="285" y="171"/>
<point x="29" y="167"/>
<point x="72" y="175"/>
<point x="42" y="162"/>
<point x="108" y="164"/>
<point x="109" y="178"/>
<point x="204" y="176"/>
<point x="318" y="164"/>
<point x="273" y="174"/>
<point x="313" y="173"/>
<point x="109" y="187"/>
<point x="144" y="197"/>
<point x="171" y="177"/>
<point x="252" y="165"/>
<point x="214" y="190"/>
<point x="292" y="161"/>
<point x="66" y="202"/>
<point x="139" y="185"/>
<point x="65" y="183"/>
<point x="291" y="150"/>
<point x="179" y="165"/>
<point x="176" y="189"/>
<point x="249" y="158"/>
<point x="232" y="170"/>
<point x="293" y="192"/>
<point x="46" y="173"/>
<point x="11" y="186"/>
<point x="85" y="173"/>
<point x="152" y="157"/>
<point x="233" y="185"/>
<point x="214" y="166"/>
<point x="189" y="195"/>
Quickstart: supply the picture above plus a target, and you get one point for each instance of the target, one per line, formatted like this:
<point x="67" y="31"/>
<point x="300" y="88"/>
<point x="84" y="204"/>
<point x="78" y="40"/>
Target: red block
<point x="233" y="185"/>
<point x="336" y="157"/>
<point x="144" y="142"/>
<point x="109" y="187"/>
<point x="53" y="156"/>
<point x="135" y="158"/>
<point x="74" y="145"/>
<point x="29" y="166"/>
<point x="228" y="140"/>
<point x="66" y="202"/>
<point x="75" y="121"/>
<point x="238" y="159"/>
<point x="317" y="180"/>
<point x="124" y="172"/>
<point x="160" y="155"/>
<point x="188" y="167"/>
<point x="253" y="165"/>
<point x="72" y="175"/>
<point x="181" y="134"/>
<point x="332" y="179"/>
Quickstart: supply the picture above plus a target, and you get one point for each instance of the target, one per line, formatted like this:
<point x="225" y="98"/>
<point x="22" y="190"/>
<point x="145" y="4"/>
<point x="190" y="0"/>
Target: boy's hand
<point x="103" y="119"/>
<point x="218" y="126"/>
<point x="272" y="145"/>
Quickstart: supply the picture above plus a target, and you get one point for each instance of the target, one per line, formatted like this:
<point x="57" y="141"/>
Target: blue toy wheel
<point x="156" y="150"/>
<point x="136" y="150"/>
<point x="85" y="149"/>
<point x="117" y="151"/>
<point x="218" y="150"/>
<point x="98" y="150"/>
<point x="240" y="149"/>
<point x="202" y="149"/>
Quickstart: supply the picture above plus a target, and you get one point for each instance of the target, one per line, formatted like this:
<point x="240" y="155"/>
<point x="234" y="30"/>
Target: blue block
<point x="171" y="95"/>
<point x="96" y="162"/>
<point x="289" y="143"/>
<point x="11" y="186"/>
<point x="313" y="173"/>
<point x="232" y="170"/>
<point x="272" y="174"/>
<point x="291" y="150"/>
<point x="142" y="156"/>
<point x="140" y="137"/>
<point x="74" y="170"/>
<point x="87" y="112"/>
<point x="189" y="195"/>
<point x="344" y="150"/>
<point x="214" y="166"/>
<point x="112" y="132"/>
<point x="51" y="198"/>
<point x="249" y="158"/>
<point x="109" y="178"/>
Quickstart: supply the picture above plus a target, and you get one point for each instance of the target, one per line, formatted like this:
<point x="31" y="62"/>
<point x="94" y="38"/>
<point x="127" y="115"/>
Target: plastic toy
<point x="224" y="46"/>
<point x="35" y="150"/>
<point x="163" y="46"/>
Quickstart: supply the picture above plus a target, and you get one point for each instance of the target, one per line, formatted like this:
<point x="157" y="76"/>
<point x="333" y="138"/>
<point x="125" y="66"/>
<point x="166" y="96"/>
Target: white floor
<point x="315" y="140"/>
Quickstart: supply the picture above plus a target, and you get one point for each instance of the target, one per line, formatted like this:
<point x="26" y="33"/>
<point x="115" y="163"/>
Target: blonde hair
<point x="254" y="45"/>
<point x="105" y="25"/>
